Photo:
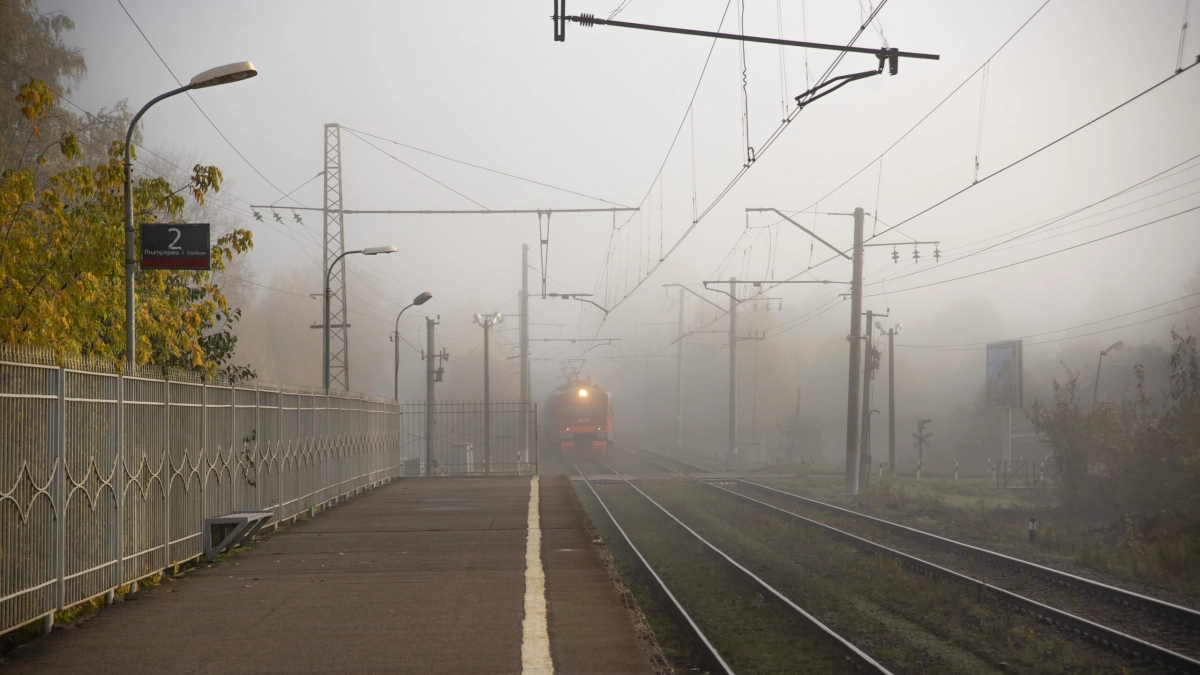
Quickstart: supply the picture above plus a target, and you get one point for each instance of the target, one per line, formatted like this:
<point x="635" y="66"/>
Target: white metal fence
<point x="106" y="479"/>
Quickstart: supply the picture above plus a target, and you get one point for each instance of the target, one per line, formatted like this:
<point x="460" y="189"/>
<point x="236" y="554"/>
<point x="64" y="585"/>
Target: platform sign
<point x="176" y="246"/>
<point x="1004" y="374"/>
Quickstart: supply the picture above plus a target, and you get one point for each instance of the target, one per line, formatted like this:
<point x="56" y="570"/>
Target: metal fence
<point x="106" y="479"/>
<point x="460" y="446"/>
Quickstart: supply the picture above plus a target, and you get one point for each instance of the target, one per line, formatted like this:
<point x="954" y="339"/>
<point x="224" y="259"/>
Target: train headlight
<point x="583" y="393"/>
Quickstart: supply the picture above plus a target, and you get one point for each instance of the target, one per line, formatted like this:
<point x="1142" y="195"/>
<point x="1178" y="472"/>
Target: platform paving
<point x="419" y="576"/>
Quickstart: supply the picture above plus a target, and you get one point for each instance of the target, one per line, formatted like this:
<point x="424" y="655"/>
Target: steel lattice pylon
<point x="339" y="345"/>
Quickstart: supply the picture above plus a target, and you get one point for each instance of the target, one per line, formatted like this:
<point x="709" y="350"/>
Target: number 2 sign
<point x="176" y="246"/>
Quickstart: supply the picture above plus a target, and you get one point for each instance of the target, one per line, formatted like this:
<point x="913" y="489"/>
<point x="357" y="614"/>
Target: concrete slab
<point x="422" y="575"/>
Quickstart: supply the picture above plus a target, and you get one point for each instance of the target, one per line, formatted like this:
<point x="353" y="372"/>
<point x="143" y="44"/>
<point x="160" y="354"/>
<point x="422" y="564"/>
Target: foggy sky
<point x="485" y="83"/>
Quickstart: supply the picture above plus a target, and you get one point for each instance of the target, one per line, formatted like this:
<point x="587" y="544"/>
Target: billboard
<point x="1004" y="374"/>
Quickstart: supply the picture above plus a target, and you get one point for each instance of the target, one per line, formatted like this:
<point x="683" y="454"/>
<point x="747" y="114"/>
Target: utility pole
<point x="892" y="401"/>
<point x="430" y="372"/>
<point x="733" y="303"/>
<point x="852" y="422"/>
<point x="523" y="432"/>
<point x="679" y="380"/>
<point x="795" y="425"/>
<point x="864" y="441"/>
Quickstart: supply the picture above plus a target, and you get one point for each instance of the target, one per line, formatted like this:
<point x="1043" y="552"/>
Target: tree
<point x="1141" y="455"/>
<point x="61" y="258"/>
<point x="31" y="46"/>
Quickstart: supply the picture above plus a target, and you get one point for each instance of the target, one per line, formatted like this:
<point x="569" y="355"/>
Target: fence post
<point x="202" y="455"/>
<point x="258" y="481"/>
<point x="59" y="538"/>
<point x="118" y="492"/>
<point x="278" y="452"/>
<point x="233" y="493"/>
<point x="164" y="467"/>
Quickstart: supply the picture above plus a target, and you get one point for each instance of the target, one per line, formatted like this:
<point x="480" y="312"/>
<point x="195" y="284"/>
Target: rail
<point x="856" y="656"/>
<point x="711" y="655"/>
<point x="1100" y="633"/>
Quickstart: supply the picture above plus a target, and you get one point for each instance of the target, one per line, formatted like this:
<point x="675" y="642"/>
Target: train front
<point x="584" y="419"/>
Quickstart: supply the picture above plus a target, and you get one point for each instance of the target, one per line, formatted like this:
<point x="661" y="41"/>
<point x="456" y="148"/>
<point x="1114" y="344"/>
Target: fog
<point x="605" y="119"/>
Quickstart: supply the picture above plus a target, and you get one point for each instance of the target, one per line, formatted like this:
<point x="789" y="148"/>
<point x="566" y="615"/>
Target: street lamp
<point x="487" y="321"/>
<point x="370" y="250"/>
<point x="1096" y="387"/>
<point x="419" y="300"/>
<point x="232" y="72"/>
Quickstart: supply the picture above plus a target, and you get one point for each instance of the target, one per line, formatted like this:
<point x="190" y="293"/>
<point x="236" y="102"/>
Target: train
<point x="577" y="419"/>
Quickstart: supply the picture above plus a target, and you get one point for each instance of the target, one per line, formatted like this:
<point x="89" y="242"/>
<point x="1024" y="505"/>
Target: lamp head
<point x="376" y="250"/>
<point x="879" y="325"/>
<point x="1115" y="346"/>
<point x="422" y="298"/>
<point x="233" y="72"/>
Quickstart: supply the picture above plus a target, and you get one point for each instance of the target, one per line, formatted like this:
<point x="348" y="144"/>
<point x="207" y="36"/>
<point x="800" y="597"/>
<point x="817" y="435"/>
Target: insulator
<point x="895" y="255"/>
<point x="937" y="255"/>
<point x="916" y="255"/>
<point x="257" y="215"/>
<point x="781" y="305"/>
<point x="587" y="19"/>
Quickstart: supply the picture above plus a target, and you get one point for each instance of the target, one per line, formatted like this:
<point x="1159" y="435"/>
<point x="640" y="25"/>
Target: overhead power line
<point x="482" y="168"/>
<point x="1038" y="257"/>
<point x="1082" y="325"/>
<point x="1007" y="167"/>
<point x="410" y="166"/>
<point x="189" y="95"/>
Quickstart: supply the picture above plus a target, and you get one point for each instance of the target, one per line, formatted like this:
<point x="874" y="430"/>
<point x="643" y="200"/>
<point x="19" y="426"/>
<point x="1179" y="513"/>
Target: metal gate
<point x="464" y="442"/>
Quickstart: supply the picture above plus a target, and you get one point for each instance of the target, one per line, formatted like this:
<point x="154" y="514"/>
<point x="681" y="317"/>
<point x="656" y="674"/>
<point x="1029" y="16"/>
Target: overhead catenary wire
<point x="1078" y="326"/>
<point x="415" y="169"/>
<point x="481" y="167"/>
<point x="189" y="95"/>
<point x="1039" y="257"/>
<point x="774" y="136"/>
<point x="1012" y="164"/>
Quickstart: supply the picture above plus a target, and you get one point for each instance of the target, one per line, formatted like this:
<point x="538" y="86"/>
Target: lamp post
<point x="1112" y="348"/>
<point x="370" y="250"/>
<point x="487" y="321"/>
<point x="232" y="72"/>
<point x="419" y="300"/>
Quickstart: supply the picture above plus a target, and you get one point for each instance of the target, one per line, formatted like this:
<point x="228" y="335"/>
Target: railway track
<point x="855" y="657"/>
<point x="1151" y="629"/>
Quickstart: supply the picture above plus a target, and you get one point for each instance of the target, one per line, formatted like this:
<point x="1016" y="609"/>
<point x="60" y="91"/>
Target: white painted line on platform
<point x="535" y="636"/>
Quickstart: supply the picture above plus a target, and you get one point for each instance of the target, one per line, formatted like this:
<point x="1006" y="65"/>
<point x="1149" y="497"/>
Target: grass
<point x="1160" y="552"/>
<point x="911" y="623"/>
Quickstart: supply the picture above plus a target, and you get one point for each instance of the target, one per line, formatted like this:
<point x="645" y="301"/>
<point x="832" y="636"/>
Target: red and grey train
<point x="578" y="420"/>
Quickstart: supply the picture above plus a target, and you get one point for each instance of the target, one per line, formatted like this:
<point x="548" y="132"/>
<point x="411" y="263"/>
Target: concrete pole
<point x="679" y="380"/>
<point x="1006" y="435"/>
<point x="864" y="439"/>
<point x="891" y="401"/>
<point x="396" y="362"/>
<point x="852" y="421"/>
<point x="796" y="426"/>
<point x="429" y="401"/>
<point x="733" y="305"/>
<point x="487" y="399"/>
<point x="523" y="432"/>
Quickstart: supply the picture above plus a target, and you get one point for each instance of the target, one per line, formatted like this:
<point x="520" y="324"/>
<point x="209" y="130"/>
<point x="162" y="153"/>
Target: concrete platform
<point x="419" y="576"/>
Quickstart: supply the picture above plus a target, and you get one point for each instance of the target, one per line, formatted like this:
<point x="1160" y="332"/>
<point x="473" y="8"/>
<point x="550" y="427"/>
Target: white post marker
<point x="535" y="637"/>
